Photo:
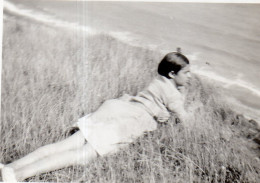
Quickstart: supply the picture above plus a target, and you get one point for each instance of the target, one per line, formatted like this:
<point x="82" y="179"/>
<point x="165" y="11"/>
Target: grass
<point x="52" y="76"/>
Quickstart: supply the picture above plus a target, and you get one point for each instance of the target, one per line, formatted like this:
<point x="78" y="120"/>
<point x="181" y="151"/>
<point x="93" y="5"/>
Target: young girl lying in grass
<point x="115" y="124"/>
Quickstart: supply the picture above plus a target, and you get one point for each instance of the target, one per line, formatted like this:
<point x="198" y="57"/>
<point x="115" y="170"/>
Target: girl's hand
<point x="182" y="89"/>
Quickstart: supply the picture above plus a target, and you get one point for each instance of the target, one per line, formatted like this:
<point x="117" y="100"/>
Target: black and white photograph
<point x="130" y="91"/>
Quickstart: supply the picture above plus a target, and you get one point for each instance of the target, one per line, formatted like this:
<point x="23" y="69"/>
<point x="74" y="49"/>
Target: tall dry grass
<point x="51" y="77"/>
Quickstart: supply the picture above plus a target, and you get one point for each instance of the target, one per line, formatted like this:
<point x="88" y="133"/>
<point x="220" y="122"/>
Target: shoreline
<point x="124" y="37"/>
<point x="51" y="82"/>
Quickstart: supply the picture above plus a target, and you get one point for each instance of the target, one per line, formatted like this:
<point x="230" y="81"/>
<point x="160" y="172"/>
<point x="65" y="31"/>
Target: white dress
<point x="118" y="122"/>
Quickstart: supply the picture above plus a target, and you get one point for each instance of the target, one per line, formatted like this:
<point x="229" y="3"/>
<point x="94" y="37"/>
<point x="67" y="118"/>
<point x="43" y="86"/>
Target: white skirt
<point x="115" y="124"/>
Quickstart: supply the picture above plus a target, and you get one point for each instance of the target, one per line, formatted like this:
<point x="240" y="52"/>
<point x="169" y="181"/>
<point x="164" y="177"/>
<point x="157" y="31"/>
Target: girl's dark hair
<point x="173" y="61"/>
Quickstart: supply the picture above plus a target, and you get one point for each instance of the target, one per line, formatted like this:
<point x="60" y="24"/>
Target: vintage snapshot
<point x="121" y="91"/>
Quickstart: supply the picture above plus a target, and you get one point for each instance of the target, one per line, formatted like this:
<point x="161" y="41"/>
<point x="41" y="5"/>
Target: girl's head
<point x="175" y="66"/>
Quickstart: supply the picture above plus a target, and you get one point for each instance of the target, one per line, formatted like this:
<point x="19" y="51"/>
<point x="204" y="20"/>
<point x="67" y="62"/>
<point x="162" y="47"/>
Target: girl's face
<point x="183" y="76"/>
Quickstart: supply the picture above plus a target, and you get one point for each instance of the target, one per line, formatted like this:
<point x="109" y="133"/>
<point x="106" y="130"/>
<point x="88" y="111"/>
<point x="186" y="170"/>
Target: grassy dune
<point x="51" y="77"/>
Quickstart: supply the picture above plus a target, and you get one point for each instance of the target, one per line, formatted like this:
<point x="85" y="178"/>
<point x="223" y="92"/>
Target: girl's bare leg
<point x="75" y="141"/>
<point x="81" y="156"/>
